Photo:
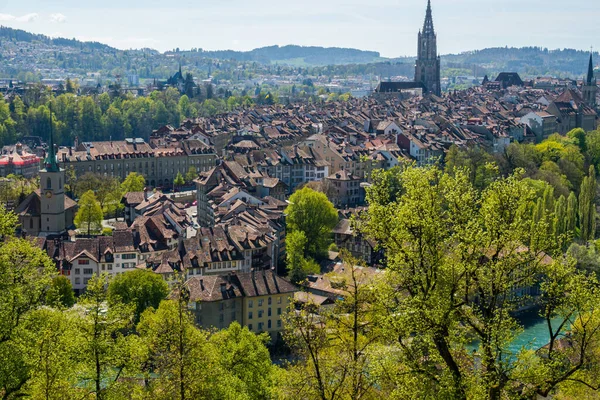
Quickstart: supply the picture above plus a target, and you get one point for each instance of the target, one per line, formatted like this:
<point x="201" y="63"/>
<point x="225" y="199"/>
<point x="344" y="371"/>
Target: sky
<point x="387" y="26"/>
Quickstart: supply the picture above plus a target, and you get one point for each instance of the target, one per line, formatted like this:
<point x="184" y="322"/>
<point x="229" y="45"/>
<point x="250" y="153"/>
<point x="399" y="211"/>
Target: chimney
<point x="145" y="194"/>
<point x="76" y="143"/>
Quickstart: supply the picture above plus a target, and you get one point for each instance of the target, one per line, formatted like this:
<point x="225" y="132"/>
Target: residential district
<point x="227" y="233"/>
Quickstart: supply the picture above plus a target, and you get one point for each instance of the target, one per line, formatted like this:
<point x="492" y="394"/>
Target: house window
<point x="260" y="302"/>
<point x="279" y="311"/>
<point x="88" y="271"/>
<point x="128" y="256"/>
<point x="269" y="324"/>
<point x="77" y="281"/>
<point x="250" y="315"/>
<point x="260" y="326"/>
<point x="269" y="301"/>
<point x="83" y="262"/>
<point x="269" y="311"/>
<point x="76" y="271"/>
<point x="250" y="303"/>
<point x="250" y="326"/>
<point x="260" y="313"/>
<point x="279" y="323"/>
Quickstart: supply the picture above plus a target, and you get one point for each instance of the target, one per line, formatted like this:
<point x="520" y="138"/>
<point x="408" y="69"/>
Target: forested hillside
<point x="31" y="57"/>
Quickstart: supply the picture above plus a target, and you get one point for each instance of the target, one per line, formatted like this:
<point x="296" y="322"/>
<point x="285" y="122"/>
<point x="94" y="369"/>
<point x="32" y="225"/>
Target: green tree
<point x="179" y="180"/>
<point x="189" y="85"/>
<point x="313" y="214"/>
<point x="245" y="356"/>
<point x="455" y="256"/>
<point x="181" y="357"/>
<point x="60" y="293"/>
<point x="191" y="174"/>
<point x="140" y="288"/>
<point x="133" y="183"/>
<point x="25" y="274"/>
<point x="102" y="349"/>
<point x="89" y="216"/>
<point x="560" y="222"/>
<point x="571" y="219"/>
<point x="578" y="137"/>
<point x="337" y="347"/>
<point x="46" y="340"/>
<point x="71" y="87"/>
<point x="298" y="266"/>
<point x="587" y="206"/>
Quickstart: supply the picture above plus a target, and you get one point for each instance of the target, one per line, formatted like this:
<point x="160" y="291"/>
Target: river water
<point x="535" y="332"/>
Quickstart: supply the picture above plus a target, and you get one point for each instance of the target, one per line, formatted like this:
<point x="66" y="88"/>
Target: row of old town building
<point x="231" y="241"/>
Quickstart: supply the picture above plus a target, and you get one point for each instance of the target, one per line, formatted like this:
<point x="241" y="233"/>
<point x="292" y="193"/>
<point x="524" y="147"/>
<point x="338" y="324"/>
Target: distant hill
<point x="527" y="61"/>
<point x="29" y="57"/>
<point x="298" y="55"/>
<point x="19" y="35"/>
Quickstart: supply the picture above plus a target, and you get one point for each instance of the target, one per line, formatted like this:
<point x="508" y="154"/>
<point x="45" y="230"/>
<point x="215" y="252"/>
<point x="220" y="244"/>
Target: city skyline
<point x="386" y="26"/>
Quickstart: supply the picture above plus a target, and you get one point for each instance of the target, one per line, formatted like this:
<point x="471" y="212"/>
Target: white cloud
<point x="23" y="18"/>
<point x="58" y="18"/>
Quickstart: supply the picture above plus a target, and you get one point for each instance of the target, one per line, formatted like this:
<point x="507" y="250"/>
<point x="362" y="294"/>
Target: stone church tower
<point x="590" y="86"/>
<point x="52" y="195"/>
<point x="427" y="69"/>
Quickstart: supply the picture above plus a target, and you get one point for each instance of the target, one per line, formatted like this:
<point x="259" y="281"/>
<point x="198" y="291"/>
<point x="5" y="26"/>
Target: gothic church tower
<point x="590" y="86"/>
<point x="427" y="69"/>
<point x="52" y="194"/>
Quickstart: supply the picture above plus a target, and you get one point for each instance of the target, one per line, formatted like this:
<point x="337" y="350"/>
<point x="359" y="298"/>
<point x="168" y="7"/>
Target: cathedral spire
<point x="428" y="24"/>
<point x="50" y="161"/>
<point x="590" y="75"/>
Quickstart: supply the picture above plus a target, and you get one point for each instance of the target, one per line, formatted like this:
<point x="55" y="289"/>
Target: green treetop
<point x="313" y="214"/>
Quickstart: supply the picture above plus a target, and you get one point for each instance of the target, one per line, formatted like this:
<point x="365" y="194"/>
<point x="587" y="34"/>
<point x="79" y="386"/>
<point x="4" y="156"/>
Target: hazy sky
<point x="387" y="26"/>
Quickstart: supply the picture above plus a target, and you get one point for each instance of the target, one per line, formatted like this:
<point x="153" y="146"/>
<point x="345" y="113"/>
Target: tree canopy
<point x="89" y="216"/>
<point x="140" y="288"/>
<point x="313" y="214"/>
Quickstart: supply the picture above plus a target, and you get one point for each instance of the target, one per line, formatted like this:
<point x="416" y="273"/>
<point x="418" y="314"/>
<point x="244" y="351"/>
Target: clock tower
<point x="52" y="194"/>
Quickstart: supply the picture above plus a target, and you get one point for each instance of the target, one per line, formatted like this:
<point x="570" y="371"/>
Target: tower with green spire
<point x="52" y="193"/>
<point x="50" y="162"/>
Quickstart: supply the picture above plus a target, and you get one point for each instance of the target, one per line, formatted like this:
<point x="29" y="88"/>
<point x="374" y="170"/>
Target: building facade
<point x="159" y="165"/>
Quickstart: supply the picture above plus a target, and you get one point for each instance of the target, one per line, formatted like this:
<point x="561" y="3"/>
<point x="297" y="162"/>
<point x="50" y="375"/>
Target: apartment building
<point x="159" y="165"/>
<point x="256" y="299"/>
